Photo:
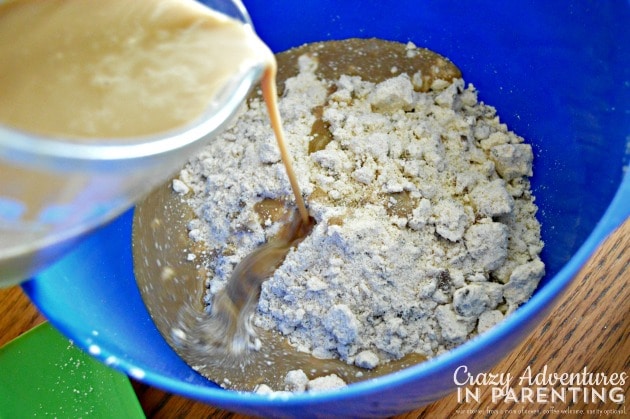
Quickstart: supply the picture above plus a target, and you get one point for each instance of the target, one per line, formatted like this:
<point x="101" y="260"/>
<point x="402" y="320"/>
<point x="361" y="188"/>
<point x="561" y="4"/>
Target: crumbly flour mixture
<point x="426" y="232"/>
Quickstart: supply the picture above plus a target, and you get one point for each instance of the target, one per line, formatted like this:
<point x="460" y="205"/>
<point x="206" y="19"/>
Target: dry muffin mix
<point x="425" y="229"/>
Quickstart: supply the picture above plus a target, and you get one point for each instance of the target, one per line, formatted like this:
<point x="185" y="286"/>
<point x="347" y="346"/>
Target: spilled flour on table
<point x="426" y="232"/>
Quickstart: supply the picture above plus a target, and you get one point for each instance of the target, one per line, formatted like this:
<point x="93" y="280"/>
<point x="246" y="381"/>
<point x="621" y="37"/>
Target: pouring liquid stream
<point x="270" y="94"/>
<point x="226" y="333"/>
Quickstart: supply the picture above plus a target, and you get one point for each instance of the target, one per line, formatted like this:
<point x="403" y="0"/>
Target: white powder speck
<point x="180" y="187"/>
<point x="329" y="382"/>
<point x="296" y="381"/>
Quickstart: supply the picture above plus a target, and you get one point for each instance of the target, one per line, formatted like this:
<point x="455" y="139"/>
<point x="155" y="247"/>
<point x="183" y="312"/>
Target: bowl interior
<point x="555" y="72"/>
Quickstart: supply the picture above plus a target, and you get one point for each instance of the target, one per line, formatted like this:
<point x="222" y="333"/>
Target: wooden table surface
<point x="589" y="327"/>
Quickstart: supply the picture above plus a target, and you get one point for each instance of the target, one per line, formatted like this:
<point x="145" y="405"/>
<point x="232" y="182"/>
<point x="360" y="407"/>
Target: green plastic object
<point x="42" y="374"/>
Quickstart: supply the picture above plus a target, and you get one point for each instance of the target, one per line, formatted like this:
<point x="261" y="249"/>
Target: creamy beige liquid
<point x="85" y="70"/>
<point x="116" y="68"/>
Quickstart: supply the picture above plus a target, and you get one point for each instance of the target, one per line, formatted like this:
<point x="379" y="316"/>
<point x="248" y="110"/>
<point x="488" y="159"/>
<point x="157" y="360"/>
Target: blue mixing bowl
<point x="558" y="74"/>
